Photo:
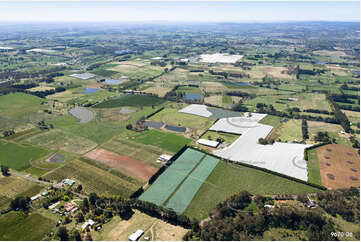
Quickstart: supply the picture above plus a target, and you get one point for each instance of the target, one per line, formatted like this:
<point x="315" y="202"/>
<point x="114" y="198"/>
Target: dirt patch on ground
<point x="95" y="85"/>
<point x="112" y="115"/>
<point x="167" y="232"/>
<point x="126" y="164"/>
<point x="339" y="166"/>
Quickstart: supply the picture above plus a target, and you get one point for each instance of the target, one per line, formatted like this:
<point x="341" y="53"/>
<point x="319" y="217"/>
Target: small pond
<point x="193" y="96"/>
<point x="237" y="83"/>
<point x="175" y="128"/>
<point x="112" y="82"/>
<point x="90" y="90"/>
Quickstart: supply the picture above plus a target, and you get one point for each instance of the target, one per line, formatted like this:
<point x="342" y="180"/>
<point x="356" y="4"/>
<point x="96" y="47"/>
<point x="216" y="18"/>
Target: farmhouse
<point x="163" y="158"/>
<point x="52" y="206"/>
<point x="69" y="207"/>
<point x="136" y="235"/>
<point x="36" y="197"/>
<point x="90" y="223"/>
<point x="210" y="143"/>
<point x="68" y="182"/>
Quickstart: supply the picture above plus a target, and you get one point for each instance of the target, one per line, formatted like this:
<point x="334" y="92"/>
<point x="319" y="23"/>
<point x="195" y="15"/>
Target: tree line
<point x="231" y="220"/>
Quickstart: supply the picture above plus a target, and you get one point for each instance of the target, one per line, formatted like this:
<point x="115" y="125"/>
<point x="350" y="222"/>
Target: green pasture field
<point x="312" y="101"/>
<point x="19" y="109"/>
<point x="102" y="70"/>
<point x="70" y="82"/>
<point x="18" y="156"/>
<point x="11" y="187"/>
<point x="173" y="176"/>
<point x="280" y="234"/>
<point x="291" y="130"/>
<point x="19" y="105"/>
<point x="228" y="179"/>
<point x="271" y="120"/>
<point x="130" y="100"/>
<point x="59" y="140"/>
<point x="276" y="102"/>
<point x="95" y="179"/>
<point x="144" y="153"/>
<point x="227" y="100"/>
<point x="42" y="166"/>
<point x="188" y="189"/>
<point x="20" y="226"/>
<point x="186" y="89"/>
<point x="332" y="129"/>
<point x="165" y="140"/>
<point x="136" y="70"/>
<point x="173" y="117"/>
<point x="81" y="97"/>
<point x="213" y="135"/>
<point x="98" y="130"/>
<point x="314" y="175"/>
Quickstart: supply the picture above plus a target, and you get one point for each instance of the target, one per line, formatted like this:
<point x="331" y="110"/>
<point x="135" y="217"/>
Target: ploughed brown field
<point x="126" y="164"/>
<point x="339" y="166"/>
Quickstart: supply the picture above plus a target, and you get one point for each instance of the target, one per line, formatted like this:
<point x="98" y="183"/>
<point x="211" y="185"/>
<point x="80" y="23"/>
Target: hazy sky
<point x="229" y="11"/>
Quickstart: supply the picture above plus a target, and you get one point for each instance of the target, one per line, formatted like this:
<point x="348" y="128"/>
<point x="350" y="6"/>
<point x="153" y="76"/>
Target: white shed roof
<point x="136" y="235"/>
<point x="35" y="197"/>
<point x="210" y="143"/>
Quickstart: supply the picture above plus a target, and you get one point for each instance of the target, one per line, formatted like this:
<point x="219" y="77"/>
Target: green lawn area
<point x="194" y="90"/>
<point x="173" y="117"/>
<point x="291" y="130"/>
<point x="18" y="105"/>
<point x="213" y="135"/>
<point x="226" y="99"/>
<point x="19" y="226"/>
<point x="313" y="168"/>
<point x="57" y="139"/>
<point x="165" y="140"/>
<point x="95" y="131"/>
<point x="130" y="100"/>
<point x="271" y="120"/>
<point x="17" y="157"/>
<point x="228" y="179"/>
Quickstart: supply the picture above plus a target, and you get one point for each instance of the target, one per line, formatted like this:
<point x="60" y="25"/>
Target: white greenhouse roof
<point x="283" y="158"/>
<point x="196" y="109"/>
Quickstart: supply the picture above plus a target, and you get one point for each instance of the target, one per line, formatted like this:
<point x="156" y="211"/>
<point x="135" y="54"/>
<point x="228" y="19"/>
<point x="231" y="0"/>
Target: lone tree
<point x="19" y="203"/>
<point x="76" y="235"/>
<point x="63" y="233"/>
<point x="5" y="170"/>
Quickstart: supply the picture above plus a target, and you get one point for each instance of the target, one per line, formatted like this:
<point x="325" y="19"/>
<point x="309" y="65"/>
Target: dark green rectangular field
<point x="18" y="157"/>
<point x="130" y="100"/>
<point x="19" y="226"/>
<point x="165" y="140"/>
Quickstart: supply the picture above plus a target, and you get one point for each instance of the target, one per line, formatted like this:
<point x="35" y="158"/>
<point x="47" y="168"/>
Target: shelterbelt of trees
<point x="230" y="220"/>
